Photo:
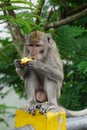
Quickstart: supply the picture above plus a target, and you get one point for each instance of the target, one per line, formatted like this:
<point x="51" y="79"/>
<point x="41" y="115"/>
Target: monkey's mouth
<point x="33" y="58"/>
<point x="40" y="95"/>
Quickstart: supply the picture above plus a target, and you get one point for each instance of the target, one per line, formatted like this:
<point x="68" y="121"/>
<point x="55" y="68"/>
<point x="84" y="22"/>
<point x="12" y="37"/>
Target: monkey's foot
<point x="46" y="107"/>
<point x="50" y="107"/>
<point x="32" y="106"/>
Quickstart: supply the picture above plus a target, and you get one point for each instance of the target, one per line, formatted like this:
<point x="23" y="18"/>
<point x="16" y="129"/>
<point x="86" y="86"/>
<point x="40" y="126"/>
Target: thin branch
<point x="38" y="9"/>
<point x="76" y="10"/>
<point x="49" y="15"/>
<point x="15" y="41"/>
<point x="66" y="20"/>
<point x="3" y="22"/>
<point x="14" y="37"/>
<point x="1" y="50"/>
<point x="15" y="31"/>
<point x="18" y="33"/>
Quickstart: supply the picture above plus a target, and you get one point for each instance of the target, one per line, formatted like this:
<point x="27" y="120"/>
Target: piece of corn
<point x="25" y="60"/>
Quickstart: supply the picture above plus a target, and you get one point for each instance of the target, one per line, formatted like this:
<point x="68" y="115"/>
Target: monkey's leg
<point x="52" y="95"/>
<point x="31" y="82"/>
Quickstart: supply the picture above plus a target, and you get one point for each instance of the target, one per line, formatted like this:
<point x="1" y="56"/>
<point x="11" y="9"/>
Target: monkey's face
<point x="37" y="51"/>
<point x="37" y="44"/>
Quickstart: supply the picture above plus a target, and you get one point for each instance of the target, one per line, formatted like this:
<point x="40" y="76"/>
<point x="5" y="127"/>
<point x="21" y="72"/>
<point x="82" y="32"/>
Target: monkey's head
<point x="37" y="45"/>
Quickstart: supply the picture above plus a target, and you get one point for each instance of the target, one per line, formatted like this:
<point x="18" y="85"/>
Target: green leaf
<point x="23" y="2"/>
<point x="70" y="38"/>
<point x="75" y="31"/>
<point x="82" y="66"/>
<point x="3" y="107"/>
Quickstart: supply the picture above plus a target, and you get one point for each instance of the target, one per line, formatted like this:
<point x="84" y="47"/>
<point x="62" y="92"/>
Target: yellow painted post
<point x="48" y="121"/>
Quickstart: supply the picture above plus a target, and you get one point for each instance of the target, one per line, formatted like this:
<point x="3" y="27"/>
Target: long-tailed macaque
<point x="43" y="76"/>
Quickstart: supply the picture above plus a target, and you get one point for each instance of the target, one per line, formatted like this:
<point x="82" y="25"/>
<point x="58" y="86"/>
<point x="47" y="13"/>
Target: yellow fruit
<point x="25" y="60"/>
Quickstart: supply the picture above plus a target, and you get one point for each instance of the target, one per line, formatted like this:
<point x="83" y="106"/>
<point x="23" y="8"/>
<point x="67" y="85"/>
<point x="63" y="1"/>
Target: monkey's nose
<point x="34" y="56"/>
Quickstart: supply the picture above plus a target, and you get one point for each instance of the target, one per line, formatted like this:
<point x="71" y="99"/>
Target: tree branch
<point x="15" y="40"/>
<point x="66" y="20"/>
<point x="76" y="10"/>
<point x="15" y="31"/>
<point x="39" y="9"/>
<point x="49" y="15"/>
<point x="1" y="50"/>
<point x="14" y="37"/>
<point x="18" y="33"/>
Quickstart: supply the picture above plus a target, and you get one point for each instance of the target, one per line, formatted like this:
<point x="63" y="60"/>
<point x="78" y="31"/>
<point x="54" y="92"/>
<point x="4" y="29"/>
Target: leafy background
<point x="22" y="17"/>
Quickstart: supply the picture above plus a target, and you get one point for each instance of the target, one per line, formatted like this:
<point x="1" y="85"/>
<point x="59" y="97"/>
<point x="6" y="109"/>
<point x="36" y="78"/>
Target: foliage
<point x="21" y="18"/>
<point x="8" y="74"/>
<point x="75" y="59"/>
<point x="5" y="109"/>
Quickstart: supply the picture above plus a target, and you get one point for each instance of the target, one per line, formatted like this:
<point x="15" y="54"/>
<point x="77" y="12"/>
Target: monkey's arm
<point x="52" y="72"/>
<point x="20" y="68"/>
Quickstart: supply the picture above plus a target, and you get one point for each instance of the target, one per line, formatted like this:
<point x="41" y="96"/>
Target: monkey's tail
<point x="70" y="113"/>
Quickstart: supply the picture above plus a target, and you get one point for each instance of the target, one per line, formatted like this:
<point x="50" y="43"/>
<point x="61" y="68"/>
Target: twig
<point x="66" y="20"/>
<point x="38" y="9"/>
<point x="15" y="41"/>
<point x="76" y="10"/>
<point x="15" y="31"/>
<point x="49" y="15"/>
<point x="18" y="33"/>
<point x="1" y="50"/>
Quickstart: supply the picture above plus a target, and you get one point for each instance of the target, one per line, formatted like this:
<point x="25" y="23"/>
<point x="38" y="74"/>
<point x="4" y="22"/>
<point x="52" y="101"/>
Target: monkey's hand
<point x="33" y="64"/>
<point x="20" y="68"/>
<point x="18" y="64"/>
<point x="22" y="62"/>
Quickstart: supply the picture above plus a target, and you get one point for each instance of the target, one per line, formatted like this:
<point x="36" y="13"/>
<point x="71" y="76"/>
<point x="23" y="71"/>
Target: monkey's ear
<point x="49" y="38"/>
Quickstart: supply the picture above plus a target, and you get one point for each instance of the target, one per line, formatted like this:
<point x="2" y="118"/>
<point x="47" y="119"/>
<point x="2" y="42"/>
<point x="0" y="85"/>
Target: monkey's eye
<point x="42" y="51"/>
<point x="31" y="45"/>
<point x="38" y="45"/>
